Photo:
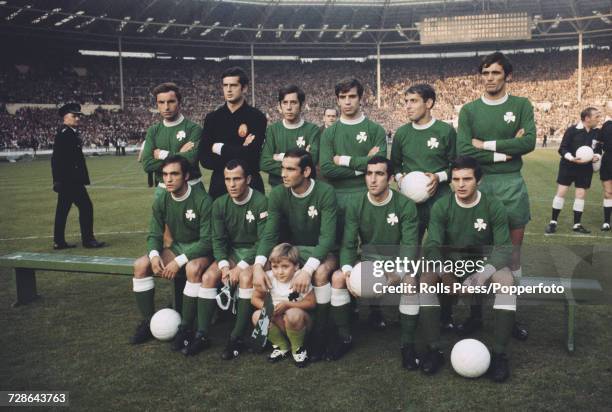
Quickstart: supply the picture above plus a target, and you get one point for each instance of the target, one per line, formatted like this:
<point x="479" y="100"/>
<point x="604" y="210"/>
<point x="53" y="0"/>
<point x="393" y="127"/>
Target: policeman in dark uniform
<point x="605" y="171"/>
<point x="69" y="179"/>
<point x="573" y="169"/>
<point x="235" y="130"/>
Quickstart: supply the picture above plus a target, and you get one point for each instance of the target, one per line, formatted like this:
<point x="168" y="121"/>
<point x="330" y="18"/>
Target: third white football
<point x="470" y="358"/>
<point x="165" y="324"/>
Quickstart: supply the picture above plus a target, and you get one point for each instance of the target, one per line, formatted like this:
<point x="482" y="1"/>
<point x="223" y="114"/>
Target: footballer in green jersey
<point x="186" y="213"/>
<point x="238" y="220"/>
<point x="498" y="129"/>
<point x="287" y="134"/>
<point x="469" y="229"/>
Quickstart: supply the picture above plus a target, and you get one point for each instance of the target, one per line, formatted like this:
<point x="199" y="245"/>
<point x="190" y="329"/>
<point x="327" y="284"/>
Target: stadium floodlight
<point x="556" y="22"/>
<point x="17" y="12"/>
<point x="323" y="29"/>
<point x="88" y="22"/>
<point x="259" y="31"/>
<point x="163" y="29"/>
<point x="144" y="25"/>
<point x="45" y="16"/>
<point x="603" y="18"/>
<point x="341" y="32"/>
<point x="400" y="31"/>
<point x="125" y="21"/>
<point x="279" y="31"/>
<point x="68" y="18"/>
<point x="188" y="29"/>
<point x="228" y="31"/>
<point x="299" y="31"/>
<point x="361" y="31"/>
<point x="211" y="28"/>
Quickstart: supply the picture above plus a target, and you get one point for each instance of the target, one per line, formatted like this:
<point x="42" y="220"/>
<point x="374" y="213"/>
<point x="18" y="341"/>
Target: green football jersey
<point x="188" y="220"/>
<point x="280" y="138"/>
<point x="238" y="226"/>
<point x="310" y="219"/>
<point x="389" y="223"/>
<point x="171" y="139"/>
<point x="497" y="122"/>
<point x="353" y="140"/>
<point x="469" y="232"/>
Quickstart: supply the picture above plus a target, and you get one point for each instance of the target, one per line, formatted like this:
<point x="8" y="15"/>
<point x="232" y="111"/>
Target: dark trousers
<point x="217" y="184"/>
<point x="65" y="198"/>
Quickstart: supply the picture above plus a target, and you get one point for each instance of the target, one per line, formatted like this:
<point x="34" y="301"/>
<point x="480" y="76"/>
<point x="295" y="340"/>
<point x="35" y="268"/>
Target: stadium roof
<point x="315" y="27"/>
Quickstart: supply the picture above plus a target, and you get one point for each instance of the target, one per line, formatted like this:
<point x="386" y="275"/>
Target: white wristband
<point x="499" y="157"/>
<point x="345" y="161"/>
<point x="278" y="157"/>
<point x="181" y="260"/>
<point x="223" y="263"/>
<point x="311" y="265"/>
<point x="261" y="260"/>
<point x="347" y="268"/>
<point x="216" y="148"/>
<point x="442" y="176"/>
<point x="398" y="177"/>
<point x="243" y="265"/>
<point x="568" y="156"/>
<point x="163" y="154"/>
<point x="490" y="145"/>
<point x="153" y="253"/>
<point x="358" y="173"/>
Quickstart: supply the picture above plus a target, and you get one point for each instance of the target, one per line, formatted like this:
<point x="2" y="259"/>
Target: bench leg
<point x="25" y="280"/>
<point x="570" y="309"/>
<point x="179" y="286"/>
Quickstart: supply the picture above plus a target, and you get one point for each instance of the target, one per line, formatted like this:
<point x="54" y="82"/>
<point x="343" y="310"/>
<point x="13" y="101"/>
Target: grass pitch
<point x="76" y="337"/>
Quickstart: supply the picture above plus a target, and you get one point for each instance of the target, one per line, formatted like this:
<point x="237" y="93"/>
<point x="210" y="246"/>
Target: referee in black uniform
<point x="235" y="130"/>
<point x="69" y="179"/>
<point x="574" y="170"/>
<point x="605" y="172"/>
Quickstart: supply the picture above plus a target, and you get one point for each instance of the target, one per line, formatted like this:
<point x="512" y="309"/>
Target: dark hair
<point x="467" y="162"/>
<point x="292" y="88"/>
<point x="305" y="160"/>
<point x="330" y="108"/>
<point x="236" y="71"/>
<point x="588" y="112"/>
<point x="234" y="163"/>
<point x="346" y="85"/>
<point x="499" y="58"/>
<point x="381" y="159"/>
<point x="177" y="159"/>
<point x="165" y="88"/>
<point x="424" y="90"/>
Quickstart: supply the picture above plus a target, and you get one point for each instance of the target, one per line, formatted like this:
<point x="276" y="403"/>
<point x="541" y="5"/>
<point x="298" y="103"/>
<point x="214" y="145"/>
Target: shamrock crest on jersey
<point x="312" y="212"/>
<point x="509" y="117"/>
<point x="362" y="137"/>
<point x="249" y="216"/>
<point x="392" y="219"/>
<point x="480" y="224"/>
<point x="189" y="215"/>
<point x="433" y="143"/>
<point x="300" y="142"/>
<point x="180" y="135"/>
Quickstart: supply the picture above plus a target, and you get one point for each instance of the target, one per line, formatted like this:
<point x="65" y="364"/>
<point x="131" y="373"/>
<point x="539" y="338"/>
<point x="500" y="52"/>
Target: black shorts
<point x="579" y="175"/>
<point x="605" y="172"/>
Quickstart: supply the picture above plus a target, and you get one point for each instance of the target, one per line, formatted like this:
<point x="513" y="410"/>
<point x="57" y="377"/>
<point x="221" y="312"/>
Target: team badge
<point x="509" y="117"/>
<point x="181" y="135"/>
<point x="249" y="216"/>
<point x="392" y="219"/>
<point x="433" y="143"/>
<point x="300" y="141"/>
<point x="361" y="137"/>
<point x="480" y="224"/>
<point x="189" y="215"/>
<point x="312" y="212"/>
<point x="243" y="130"/>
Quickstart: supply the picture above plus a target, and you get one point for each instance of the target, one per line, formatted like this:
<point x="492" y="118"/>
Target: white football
<point x="585" y="153"/>
<point x="362" y="280"/>
<point x="165" y="324"/>
<point x="470" y="358"/>
<point x="414" y="186"/>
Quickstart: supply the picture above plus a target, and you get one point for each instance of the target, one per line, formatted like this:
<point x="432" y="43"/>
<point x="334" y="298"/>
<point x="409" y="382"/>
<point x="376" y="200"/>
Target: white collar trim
<point x="185" y="195"/>
<point x="307" y="192"/>
<point x="490" y="102"/>
<point x="352" y="122"/>
<point x="176" y="122"/>
<point x="293" y="126"/>
<point x="469" y="205"/>
<point x="424" y="126"/>
<point x="580" y="125"/>
<point x="246" y="199"/>
<point x="382" y="203"/>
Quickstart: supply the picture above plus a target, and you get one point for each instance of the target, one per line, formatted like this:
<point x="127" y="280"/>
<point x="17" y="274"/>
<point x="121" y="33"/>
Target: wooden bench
<point x="26" y="264"/>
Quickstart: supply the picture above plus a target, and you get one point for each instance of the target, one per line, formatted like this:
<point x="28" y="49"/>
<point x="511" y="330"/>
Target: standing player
<point x="498" y="129"/>
<point x="574" y="170"/>
<point x="346" y="147"/>
<point x="186" y="212"/>
<point x="380" y="217"/>
<point x="289" y="133"/>
<point x="471" y="226"/>
<point x="238" y="220"/>
<point x="174" y="135"/>
<point x="308" y="210"/>
<point x="605" y="172"/>
<point x="233" y="131"/>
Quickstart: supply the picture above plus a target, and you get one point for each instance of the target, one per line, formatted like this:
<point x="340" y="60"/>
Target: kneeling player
<point x="380" y="217"/>
<point x="238" y="219"/>
<point x="186" y="213"/>
<point x="290" y="319"/>
<point x="466" y="224"/>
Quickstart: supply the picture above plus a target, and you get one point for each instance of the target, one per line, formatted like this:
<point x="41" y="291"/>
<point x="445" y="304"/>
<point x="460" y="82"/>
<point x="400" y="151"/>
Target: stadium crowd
<point x="549" y="82"/>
